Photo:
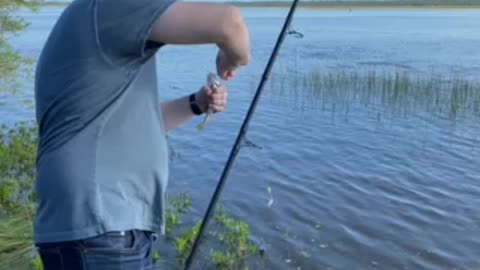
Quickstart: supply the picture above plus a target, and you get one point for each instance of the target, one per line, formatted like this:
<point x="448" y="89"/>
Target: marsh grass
<point x="398" y="93"/>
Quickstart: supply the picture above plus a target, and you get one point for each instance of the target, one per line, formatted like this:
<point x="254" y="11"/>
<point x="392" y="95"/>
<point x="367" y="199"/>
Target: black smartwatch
<point x="194" y="106"/>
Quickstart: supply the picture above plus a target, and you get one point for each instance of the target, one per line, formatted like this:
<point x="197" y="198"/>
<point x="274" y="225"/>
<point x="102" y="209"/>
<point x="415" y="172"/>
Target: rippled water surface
<point x="368" y="135"/>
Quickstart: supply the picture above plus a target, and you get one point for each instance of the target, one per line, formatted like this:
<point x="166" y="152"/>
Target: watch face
<point x="194" y="106"/>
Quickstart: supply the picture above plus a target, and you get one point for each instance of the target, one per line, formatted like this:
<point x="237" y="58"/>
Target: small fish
<point x="213" y="82"/>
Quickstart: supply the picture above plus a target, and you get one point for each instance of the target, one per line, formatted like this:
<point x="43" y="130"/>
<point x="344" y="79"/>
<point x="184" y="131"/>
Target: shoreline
<point x="372" y="8"/>
<point x="335" y="5"/>
<point x="357" y="5"/>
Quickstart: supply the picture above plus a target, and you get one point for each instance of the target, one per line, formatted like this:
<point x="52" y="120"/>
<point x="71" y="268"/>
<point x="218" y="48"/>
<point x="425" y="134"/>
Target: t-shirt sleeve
<point x="123" y="26"/>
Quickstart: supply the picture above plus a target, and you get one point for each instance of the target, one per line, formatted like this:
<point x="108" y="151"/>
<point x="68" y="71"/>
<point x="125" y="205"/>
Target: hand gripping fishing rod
<point x="241" y="135"/>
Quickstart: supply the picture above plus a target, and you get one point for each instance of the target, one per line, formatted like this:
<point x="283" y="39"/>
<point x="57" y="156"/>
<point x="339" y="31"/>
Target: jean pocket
<point x="113" y="242"/>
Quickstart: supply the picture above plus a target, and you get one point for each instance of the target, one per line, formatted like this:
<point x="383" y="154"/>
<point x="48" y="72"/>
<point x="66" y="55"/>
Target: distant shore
<point x="434" y="4"/>
<point x="428" y="4"/>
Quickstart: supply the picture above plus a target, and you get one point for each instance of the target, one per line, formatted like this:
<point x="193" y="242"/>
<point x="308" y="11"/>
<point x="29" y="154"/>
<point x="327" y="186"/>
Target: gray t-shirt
<point x="102" y="160"/>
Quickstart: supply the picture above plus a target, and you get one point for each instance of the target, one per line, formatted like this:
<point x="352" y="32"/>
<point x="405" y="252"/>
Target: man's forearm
<point x="187" y="23"/>
<point x="176" y="112"/>
<point x="236" y="40"/>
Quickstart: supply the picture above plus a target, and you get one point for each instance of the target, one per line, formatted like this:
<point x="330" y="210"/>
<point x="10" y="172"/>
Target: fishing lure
<point x="213" y="82"/>
<point x="270" y="200"/>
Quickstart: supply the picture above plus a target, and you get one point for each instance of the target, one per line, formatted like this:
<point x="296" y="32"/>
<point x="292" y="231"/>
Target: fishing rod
<point x="241" y="135"/>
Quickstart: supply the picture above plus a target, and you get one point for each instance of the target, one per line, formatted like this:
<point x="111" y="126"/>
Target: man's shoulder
<point x="72" y="32"/>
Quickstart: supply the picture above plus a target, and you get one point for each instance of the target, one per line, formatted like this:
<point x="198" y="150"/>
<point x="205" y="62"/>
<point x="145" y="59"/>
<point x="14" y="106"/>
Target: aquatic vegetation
<point x="229" y="244"/>
<point x="397" y="92"/>
<point x="176" y="207"/>
<point x="234" y="235"/>
<point x="156" y="257"/>
<point x="184" y="243"/>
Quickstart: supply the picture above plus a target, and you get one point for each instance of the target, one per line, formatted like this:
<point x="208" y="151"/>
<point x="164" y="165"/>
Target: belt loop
<point x="154" y="237"/>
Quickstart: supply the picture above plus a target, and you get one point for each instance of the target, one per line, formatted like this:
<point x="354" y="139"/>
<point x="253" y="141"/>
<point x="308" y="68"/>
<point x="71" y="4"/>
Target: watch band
<point x="194" y="106"/>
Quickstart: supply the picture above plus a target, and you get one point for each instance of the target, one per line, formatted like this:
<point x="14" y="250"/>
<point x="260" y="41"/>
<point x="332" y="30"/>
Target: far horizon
<point x="309" y="1"/>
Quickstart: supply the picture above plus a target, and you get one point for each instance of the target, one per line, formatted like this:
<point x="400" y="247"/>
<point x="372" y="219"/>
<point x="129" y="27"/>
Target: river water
<point x="363" y="174"/>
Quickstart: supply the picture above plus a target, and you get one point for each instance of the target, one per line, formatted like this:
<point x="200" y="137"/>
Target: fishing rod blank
<point x="241" y="136"/>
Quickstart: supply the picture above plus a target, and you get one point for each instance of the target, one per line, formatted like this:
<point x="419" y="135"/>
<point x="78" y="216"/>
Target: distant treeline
<point x="346" y="4"/>
<point x="366" y="4"/>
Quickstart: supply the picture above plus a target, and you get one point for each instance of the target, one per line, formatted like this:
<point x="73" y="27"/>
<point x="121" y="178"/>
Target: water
<point x="358" y="181"/>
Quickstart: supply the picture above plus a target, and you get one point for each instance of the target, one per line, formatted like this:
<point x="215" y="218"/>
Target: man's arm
<point x="204" y="23"/>
<point x="176" y="112"/>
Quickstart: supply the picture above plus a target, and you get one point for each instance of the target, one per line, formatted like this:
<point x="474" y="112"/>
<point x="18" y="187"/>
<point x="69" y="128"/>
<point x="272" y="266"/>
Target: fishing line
<point x="241" y="135"/>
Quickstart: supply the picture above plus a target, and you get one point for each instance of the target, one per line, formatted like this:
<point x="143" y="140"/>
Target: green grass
<point x="17" y="199"/>
<point x="16" y="247"/>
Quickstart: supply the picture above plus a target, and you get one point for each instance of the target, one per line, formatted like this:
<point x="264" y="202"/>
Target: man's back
<point x="102" y="143"/>
<point x="102" y="163"/>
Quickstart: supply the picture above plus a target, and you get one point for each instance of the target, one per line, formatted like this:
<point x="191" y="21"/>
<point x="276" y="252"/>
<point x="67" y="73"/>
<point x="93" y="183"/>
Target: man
<point x="102" y="164"/>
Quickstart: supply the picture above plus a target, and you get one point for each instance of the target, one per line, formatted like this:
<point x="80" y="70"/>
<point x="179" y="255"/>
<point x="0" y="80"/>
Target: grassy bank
<point x="426" y="4"/>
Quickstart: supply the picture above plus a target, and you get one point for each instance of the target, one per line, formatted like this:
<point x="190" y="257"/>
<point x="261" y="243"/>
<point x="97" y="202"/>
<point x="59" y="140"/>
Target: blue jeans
<point x="129" y="250"/>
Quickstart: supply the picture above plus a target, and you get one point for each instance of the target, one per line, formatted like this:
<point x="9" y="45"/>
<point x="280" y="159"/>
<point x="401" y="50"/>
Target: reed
<point x="399" y="92"/>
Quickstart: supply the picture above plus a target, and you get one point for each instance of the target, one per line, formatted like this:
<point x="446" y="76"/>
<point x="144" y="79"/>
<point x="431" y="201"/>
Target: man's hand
<point x="215" y="99"/>
<point x="177" y="112"/>
<point x="225" y="67"/>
